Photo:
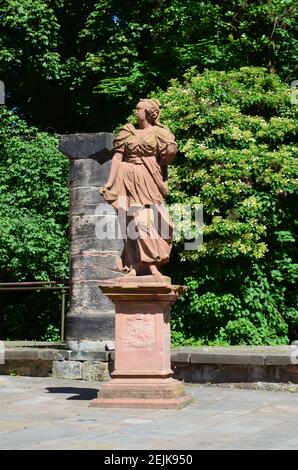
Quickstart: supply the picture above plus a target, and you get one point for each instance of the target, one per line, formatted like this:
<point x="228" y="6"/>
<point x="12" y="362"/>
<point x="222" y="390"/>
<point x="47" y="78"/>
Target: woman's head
<point x="148" y="109"/>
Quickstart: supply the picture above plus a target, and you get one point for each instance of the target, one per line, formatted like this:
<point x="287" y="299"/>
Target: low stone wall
<point x="27" y="367"/>
<point x="221" y="373"/>
<point x="212" y="365"/>
<point x="46" y="360"/>
<point x="236" y="364"/>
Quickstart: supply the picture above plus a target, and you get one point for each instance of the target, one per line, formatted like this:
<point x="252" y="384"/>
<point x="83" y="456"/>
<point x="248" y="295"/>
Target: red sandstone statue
<point x="137" y="184"/>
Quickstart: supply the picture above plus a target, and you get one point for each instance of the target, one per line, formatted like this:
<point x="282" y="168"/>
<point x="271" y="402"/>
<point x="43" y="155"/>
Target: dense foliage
<point x="34" y="217"/>
<point x="237" y="134"/>
<point x="80" y="66"/>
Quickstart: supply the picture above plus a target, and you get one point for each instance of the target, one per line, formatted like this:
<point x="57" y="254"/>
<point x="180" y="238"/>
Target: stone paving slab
<point x="43" y="413"/>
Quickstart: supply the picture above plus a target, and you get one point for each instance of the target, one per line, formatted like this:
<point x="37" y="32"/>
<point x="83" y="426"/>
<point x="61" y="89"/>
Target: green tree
<point x="237" y="134"/>
<point x="33" y="220"/>
<point x="80" y="66"/>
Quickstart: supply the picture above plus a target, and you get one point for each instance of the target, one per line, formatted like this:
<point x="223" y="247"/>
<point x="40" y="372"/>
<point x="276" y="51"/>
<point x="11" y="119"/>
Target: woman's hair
<point x="152" y="110"/>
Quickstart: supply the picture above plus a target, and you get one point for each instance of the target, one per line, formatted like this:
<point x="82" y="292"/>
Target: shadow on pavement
<point x="79" y="393"/>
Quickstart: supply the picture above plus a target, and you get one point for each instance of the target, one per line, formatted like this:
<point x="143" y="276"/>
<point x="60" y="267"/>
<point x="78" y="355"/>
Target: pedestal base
<point x="142" y="377"/>
<point x="142" y="393"/>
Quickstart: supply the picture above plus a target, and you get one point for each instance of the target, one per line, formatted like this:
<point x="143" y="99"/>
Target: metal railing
<point x="38" y="286"/>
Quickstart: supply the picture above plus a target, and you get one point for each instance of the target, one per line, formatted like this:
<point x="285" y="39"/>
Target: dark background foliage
<point x="222" y="71"/>
<point x="80" y="66"/>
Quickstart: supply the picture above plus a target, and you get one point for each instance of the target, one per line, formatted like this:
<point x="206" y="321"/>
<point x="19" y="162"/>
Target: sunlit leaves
<point x="237" y="134"/>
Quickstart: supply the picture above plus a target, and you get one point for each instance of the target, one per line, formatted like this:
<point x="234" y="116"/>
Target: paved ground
<point x="42" y="413"/>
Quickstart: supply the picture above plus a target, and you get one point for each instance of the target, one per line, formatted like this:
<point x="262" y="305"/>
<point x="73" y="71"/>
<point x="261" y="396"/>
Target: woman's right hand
<point x="103" y="188"/>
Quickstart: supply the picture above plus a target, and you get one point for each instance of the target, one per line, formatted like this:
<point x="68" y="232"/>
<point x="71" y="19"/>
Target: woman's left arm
<point x="168" y="154"/>
<point x="167" y="146"/>
<point x="171" y="151"/>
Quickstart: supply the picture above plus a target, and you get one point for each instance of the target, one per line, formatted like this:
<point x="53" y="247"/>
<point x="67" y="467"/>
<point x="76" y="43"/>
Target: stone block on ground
<point x="95" y="370"/>
<point x="71" y="370"/>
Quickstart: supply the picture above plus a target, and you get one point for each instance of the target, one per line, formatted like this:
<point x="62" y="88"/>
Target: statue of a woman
<point x="137" y="184"/>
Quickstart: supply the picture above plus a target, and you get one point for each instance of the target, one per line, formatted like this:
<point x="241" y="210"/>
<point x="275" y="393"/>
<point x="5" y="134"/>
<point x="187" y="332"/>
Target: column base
<point x="165" y="393"/>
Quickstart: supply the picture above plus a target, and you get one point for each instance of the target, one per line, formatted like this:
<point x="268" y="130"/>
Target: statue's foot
<point x="132" y="272"/>
<point x="142" y="269"/>
<point x="119" y="265"/>
<point x="154" y="270"/>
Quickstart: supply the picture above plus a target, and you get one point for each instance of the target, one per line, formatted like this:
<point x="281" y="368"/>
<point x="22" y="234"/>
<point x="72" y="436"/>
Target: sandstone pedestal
<point x="142" y="377"/>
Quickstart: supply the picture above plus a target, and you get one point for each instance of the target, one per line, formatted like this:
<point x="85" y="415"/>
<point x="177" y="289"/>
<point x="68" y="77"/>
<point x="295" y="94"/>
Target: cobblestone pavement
<point x="42" y="413"/>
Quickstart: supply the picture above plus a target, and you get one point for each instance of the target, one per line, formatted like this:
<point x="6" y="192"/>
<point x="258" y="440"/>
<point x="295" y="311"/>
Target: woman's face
<point x="141" y="111"/>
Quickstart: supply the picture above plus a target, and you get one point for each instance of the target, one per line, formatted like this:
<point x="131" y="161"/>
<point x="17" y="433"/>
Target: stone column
<point x="90" y="321"/>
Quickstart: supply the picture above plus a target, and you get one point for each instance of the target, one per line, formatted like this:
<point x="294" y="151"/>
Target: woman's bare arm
<point x="168" y="155"/>
<point x="171" y="152"/>
<point x="116" y="160"/>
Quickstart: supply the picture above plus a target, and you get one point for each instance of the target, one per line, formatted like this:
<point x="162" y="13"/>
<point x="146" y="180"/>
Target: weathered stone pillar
<point x="90" y="321"/>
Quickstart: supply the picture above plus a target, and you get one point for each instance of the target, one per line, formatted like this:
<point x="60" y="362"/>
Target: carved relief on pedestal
<point x="138" y="332"/>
